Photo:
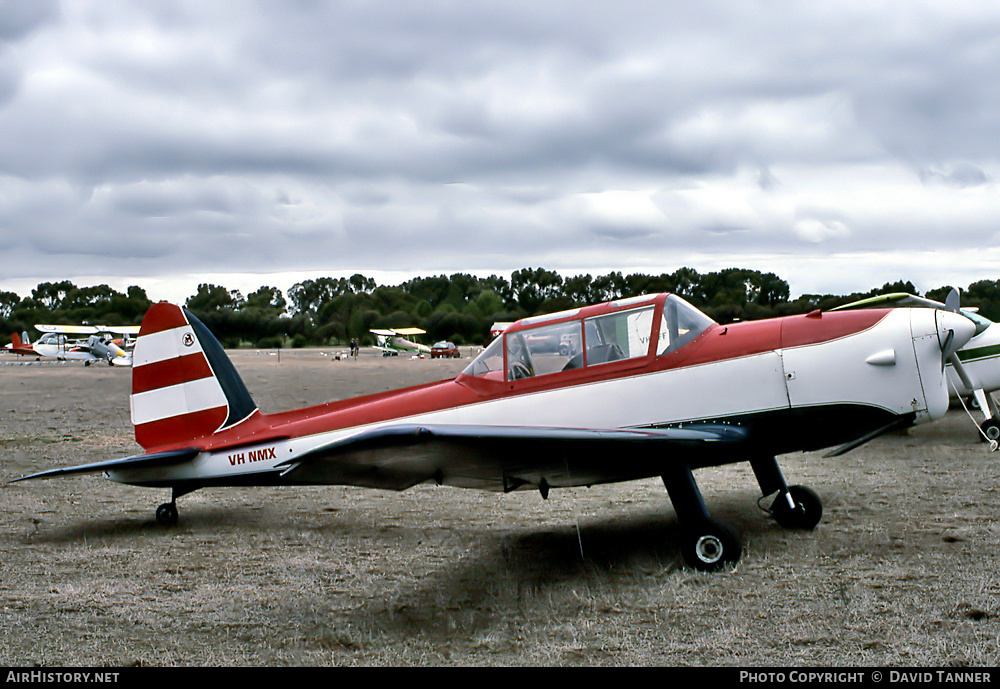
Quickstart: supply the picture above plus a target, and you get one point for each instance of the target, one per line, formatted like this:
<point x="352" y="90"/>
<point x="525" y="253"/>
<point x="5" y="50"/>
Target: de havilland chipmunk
<point x="651" y="387"/>
<point x="973" y="370"/>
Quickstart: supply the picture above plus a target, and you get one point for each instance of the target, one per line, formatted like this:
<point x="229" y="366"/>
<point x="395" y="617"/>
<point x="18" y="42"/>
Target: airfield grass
<point x="901" y="571"/>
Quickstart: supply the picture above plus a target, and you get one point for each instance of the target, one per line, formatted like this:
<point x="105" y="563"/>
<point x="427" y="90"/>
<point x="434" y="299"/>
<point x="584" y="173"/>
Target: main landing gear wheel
<point x="806" y="512"/>
<point x="991" y="430"/>
<point x="710" y="546"/>
<point x="166" y="514"/>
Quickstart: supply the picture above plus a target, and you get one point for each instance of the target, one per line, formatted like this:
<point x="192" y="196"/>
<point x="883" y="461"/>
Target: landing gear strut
<point x="709" y="545"/>
<point x="706" y="544"/>
<point x="795" y="507"/>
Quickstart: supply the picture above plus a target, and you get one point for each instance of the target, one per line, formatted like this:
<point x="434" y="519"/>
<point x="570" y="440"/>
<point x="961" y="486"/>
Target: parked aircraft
<point x="91" y="343"/>
<point x="498" y="327"/>
<point x="974" y="370"/>
<point x="20" y="344"/>
<point x="392" y="341"/>
<point x="657" y="389"/>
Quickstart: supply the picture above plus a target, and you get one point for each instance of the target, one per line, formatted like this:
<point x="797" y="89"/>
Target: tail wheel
<point x="710" y="546"/>
<point x="166" y="514"/>
<point x="807" y="510"/>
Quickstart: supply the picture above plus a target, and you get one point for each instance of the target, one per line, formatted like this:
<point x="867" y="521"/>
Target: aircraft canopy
<point x="592" y="336"/>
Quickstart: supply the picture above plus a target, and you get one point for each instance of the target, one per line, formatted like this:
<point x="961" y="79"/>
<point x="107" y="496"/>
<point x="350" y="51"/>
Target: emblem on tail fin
<point x="184" y="386"/>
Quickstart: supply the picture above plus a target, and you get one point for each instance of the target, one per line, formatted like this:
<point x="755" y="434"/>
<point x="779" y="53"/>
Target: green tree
<point x="309" y="296"/>
<point x="488" y="303"/>
<point x="269" y="300"/>
<point x="532" y="286"/>
<point x="51" y="294"/>
<point x="213" y="298"/>
<point x="8" y="302"/>
<point x="984" y="294"/>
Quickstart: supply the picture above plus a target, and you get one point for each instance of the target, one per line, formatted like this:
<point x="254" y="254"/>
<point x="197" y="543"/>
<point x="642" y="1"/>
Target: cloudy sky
<point x="166" y="143"/>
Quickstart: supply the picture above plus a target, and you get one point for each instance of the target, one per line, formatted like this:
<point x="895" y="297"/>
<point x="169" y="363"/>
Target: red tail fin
<point x="183" y="385"/>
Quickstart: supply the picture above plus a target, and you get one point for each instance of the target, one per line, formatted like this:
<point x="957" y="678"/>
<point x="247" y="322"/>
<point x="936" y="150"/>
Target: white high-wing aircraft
<point x="111" y="344"/>
<point x="973" y="370"/>
<point x="651" y="387"/>
<point x="392" y="341"/>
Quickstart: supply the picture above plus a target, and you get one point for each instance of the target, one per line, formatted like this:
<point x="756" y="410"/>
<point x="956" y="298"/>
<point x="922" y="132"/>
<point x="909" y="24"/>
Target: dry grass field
<point x="901" y="571"/>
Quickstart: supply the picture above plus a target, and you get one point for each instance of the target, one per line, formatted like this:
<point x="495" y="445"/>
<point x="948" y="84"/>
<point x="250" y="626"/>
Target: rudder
<point x="184" y="387"/>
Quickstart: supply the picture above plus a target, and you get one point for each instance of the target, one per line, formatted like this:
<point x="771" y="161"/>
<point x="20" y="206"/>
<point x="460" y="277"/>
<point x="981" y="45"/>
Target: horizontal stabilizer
<point x="155" y="459"/>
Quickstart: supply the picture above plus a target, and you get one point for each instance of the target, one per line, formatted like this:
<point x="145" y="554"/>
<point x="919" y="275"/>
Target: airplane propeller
<point x="945" y="357"/>
<point x="950" y="355"/>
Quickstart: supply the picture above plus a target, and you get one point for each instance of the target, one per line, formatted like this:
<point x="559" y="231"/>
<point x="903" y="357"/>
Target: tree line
<point x="459" y="307"/>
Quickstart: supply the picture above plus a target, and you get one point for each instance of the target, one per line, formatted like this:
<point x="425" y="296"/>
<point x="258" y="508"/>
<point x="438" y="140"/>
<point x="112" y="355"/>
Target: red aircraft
<point x="635" y="388"/>
<point x="22" y="347"/>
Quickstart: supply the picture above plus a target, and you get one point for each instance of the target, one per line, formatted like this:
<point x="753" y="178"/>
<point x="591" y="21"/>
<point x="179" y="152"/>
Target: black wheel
<point x="711" y="546"/>
<point x="991" y="427"/>
<point x="806" y="513"/>
<point x="166" y="514"/>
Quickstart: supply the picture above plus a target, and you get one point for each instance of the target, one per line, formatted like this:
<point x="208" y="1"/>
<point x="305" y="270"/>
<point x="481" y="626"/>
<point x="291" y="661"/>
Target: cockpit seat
<point x="600" y="354"/>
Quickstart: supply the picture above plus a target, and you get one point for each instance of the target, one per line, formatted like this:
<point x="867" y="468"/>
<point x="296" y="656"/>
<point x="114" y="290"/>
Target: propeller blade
<point x="946" y="347"/>
<point x="952" y="303"/>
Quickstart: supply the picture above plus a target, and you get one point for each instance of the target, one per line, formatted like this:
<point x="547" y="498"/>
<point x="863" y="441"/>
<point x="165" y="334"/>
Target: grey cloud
<point x="347" y="135"/>
<point x="19" y="19"/>
<point x="960" y="175"/>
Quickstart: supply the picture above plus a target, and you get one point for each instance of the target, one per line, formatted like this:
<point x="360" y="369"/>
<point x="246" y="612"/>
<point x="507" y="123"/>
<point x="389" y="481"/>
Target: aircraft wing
<point x="67" y="329"/>
<point x="903" y="299"/>
<point x="392" y="332"/>
<point x="508" y="457"/>
<point x="154" y="459"/>
<point x="120" y="329"/>
<point x="896" y="299"/>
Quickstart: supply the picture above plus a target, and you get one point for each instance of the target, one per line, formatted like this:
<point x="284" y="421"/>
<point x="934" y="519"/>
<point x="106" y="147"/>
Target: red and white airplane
<point x="644" y="387"/>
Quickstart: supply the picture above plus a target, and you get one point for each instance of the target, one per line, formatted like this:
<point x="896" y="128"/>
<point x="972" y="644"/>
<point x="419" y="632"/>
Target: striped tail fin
<point x="184" y="387"/>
